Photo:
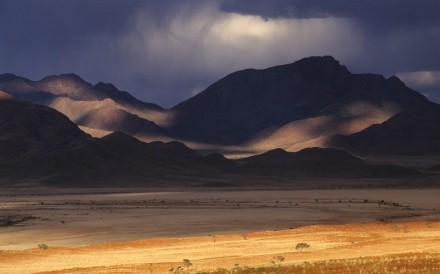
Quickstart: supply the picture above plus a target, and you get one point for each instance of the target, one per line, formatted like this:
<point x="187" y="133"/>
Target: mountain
<point x="315" y="131"/>
<point x="294" y="106"/>
<point x="318" y="162"/>
<point x="106" y="115"/>
<point x="99" y="107"/>
<point x="24" y="122"/>
<point x="40" y="146"/>
<point x="68" y="85"/>
<point x="255" y="105"/>
<point x="410" y="132"/>
<point x="27" y="131"/>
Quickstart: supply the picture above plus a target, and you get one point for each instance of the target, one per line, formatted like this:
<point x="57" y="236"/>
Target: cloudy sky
<point x="166" y="51"/>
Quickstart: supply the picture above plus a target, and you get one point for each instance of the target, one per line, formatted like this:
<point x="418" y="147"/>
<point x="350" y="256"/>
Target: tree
<point x="301" y="246"/>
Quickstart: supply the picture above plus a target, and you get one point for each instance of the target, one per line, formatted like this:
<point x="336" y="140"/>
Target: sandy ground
<point x="140" y="231"/>
<point x="82" y="217"/>
<point x="249" y="249"/>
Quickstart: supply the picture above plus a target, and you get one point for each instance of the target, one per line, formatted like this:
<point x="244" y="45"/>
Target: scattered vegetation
<point x="401" y="263"/>
<point x="176" y="270"/>
<point x="301" y="246"/>
<point x="277" y="261"/>
<point x="13" y="220"/>
<point x="181" y="269"/>
<point x="43" y="246"/>
<point x="187" y="263"/>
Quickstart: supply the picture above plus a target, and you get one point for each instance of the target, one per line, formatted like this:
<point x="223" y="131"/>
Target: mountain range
<point x="101" y="107"/>
<point x="63" y="129"/>
<point x="294" y="106"/>
<point x="42" y="146"/>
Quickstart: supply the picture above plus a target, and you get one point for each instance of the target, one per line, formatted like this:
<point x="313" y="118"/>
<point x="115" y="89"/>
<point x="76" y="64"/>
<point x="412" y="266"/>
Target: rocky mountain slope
<point x="39" y="145"/>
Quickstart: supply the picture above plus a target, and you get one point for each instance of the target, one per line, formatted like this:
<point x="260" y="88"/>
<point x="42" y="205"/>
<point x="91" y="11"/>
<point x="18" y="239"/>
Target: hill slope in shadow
<point x="415" y="132"/>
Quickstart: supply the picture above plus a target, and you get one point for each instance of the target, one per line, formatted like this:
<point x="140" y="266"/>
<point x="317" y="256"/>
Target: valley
<point x="219" y="137"/>
<point x="303" y="167"/>
<point x="134" y="230"/>
<point x="75" y="217"/>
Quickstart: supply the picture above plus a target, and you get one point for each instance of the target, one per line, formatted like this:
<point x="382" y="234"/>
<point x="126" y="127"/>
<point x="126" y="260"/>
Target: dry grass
<point x="416" y="263"/>
<point x="404" y="247"/>
<point x="397" y="263"/>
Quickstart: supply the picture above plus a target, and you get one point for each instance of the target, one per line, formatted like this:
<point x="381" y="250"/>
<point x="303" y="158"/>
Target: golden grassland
<point x="379" y="247"/>
<point x="396" y="263"/>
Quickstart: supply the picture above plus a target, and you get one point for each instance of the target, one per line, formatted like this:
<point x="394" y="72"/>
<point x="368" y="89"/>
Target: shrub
<point x="301" y="246"/>
<point x="43" y="246"/>
<point x="187" y="263"/>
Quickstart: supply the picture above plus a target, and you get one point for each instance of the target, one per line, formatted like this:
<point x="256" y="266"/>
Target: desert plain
<point x="219" y="230"/>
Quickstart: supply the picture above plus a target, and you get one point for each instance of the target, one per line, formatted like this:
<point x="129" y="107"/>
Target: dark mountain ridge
<point x="319" y="162"/>
<point x="39" y="145"/>
<point x="410" y="132"/>
<point x="101" y="107"/>
<point x="68" y="85"/>
<point x="246" y="102"/>
<point x="30" y="123"/>
<point x="293" y="106"/>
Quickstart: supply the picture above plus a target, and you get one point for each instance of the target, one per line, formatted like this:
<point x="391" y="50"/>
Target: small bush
<point x="187" y="263"/>
<point x="43" y="246"/>
<point x="301" y="246"/>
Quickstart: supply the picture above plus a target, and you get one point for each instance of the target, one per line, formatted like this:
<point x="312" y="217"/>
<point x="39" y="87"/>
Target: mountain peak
<point x="10" y="77"/>
<point x="326" y="59"/>
<point x="70" y="79"/>
<point x="7" y="77"/>
<point x="394" y="80"/>
<point x="123" y="97"/>
<point x="108" y="87"/>
<point x="321" y="68"/>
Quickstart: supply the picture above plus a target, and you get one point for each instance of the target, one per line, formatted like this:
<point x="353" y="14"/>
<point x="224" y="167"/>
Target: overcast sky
<point x="166" y="51"/>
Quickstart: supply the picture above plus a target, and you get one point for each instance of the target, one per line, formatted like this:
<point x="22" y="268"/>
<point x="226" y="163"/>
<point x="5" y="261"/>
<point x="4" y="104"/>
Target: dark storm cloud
<point x="381" y="13"/>
<point x="41" y="34"/>
<point x="30" y="23"/>
<point x="165" y="51"/>
<point x="90" y="37"/>
<point x="399" y="35"/>
<point x="407" y="26"/>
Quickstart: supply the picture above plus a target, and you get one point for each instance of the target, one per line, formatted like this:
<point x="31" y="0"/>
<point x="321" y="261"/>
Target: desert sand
<point x="151" y="231"/>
